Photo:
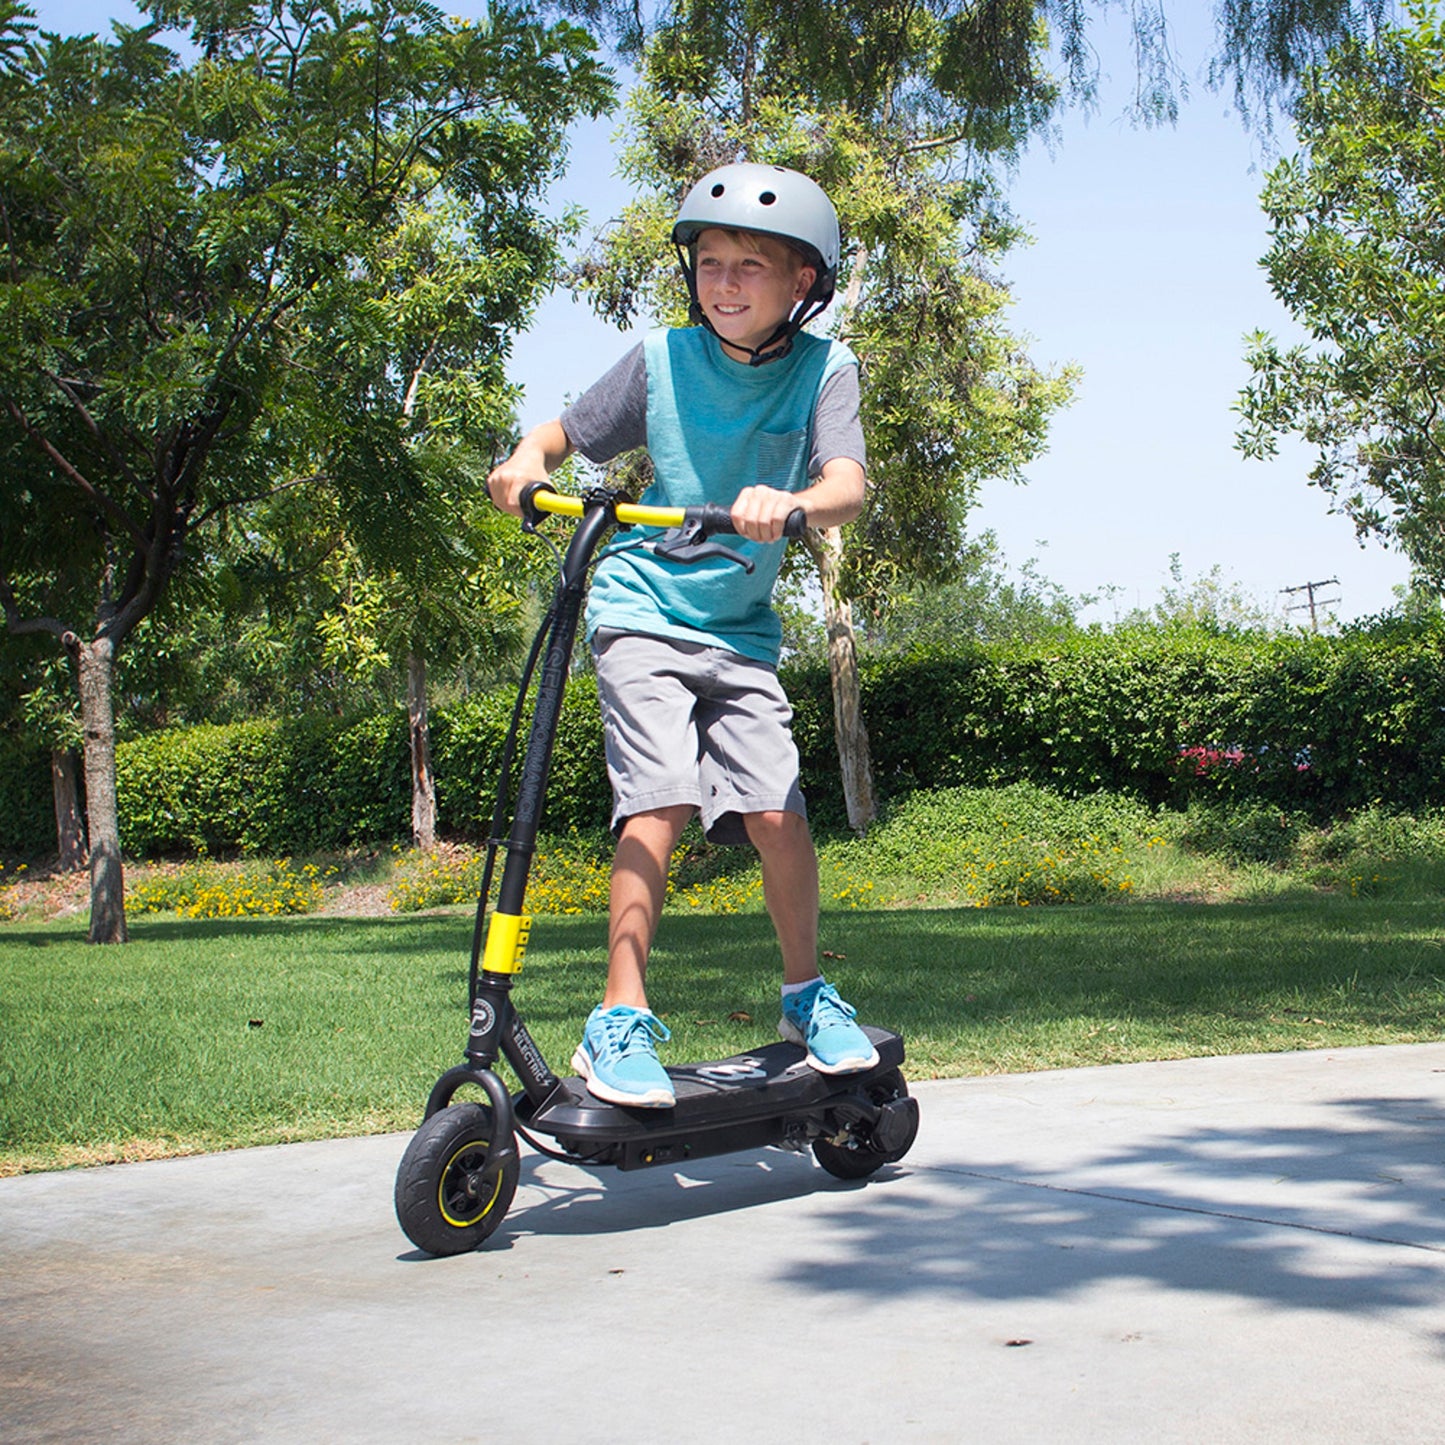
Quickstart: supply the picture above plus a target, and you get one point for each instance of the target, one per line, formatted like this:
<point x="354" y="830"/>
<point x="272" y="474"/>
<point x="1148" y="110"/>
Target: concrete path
<point x="1217" y="1250"/>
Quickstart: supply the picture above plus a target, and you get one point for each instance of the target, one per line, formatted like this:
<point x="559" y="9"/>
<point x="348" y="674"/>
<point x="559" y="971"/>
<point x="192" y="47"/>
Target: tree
<point x="1358" y="258"/>
<point x="191" y="254"/>
<point x="1007" y="66"/>
<point x="449" y="301"/>
<point x="460" y="598"/>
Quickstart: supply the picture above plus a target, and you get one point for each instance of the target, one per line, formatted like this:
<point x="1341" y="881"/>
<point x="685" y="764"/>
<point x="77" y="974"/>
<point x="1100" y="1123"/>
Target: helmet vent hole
<point x="767" y="198"/>
<point x="718" y="189"/>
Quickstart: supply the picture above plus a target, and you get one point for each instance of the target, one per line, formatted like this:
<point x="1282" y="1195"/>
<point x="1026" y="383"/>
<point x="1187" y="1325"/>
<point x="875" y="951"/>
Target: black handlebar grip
<point x="716" y="519"/>
<point x="532" y="515"/>
<point x="531" y="490"/>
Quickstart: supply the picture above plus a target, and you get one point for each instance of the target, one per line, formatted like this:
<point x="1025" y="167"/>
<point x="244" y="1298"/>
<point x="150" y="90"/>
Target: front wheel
<point x="456" y="1180"/>
<point x="860" y="1150"/>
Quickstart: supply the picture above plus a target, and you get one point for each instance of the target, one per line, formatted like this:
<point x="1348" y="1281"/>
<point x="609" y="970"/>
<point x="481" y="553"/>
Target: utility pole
<point x="1311" y="603"/>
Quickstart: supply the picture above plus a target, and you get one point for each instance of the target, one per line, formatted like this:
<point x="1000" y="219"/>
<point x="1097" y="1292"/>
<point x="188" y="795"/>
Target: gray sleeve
<point x="610" y="417"/>
<point x="837" y="430"/>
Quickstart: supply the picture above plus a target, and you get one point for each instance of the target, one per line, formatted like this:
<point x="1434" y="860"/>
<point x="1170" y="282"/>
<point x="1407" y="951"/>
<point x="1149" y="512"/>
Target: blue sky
<point x="1145" y="272"/>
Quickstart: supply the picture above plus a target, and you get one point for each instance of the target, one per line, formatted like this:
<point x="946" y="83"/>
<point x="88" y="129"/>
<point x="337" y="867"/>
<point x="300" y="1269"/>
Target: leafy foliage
<point x="1359" y="260"/>
<point x="1003" y="67"/>
<point x="1017" y="845"/>
<point x="328" y="205"/>
<point x="982" y="603"/>
<point x="27" y="821"/>
<point x="1207" y="600"/>
<point x="468" y="741"/>
<point x="1321" y="724"/>
<point x="203" y="890"/>
<point x="1269" y="48"/>
<point x="259" y="787"/>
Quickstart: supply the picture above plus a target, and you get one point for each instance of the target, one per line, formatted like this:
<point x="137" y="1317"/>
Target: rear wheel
<point x="456" y="1180"/>
<point x="857" y="1151"/>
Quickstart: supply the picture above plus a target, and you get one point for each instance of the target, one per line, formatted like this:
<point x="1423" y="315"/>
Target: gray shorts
<point x="694" y="725"/>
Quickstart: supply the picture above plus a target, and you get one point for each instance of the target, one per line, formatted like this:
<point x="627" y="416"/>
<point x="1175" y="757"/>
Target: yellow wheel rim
<point x="454" y="1199"/>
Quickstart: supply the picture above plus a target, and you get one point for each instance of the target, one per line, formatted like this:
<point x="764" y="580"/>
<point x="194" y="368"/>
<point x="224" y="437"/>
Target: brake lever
<point x="690" y="543"/>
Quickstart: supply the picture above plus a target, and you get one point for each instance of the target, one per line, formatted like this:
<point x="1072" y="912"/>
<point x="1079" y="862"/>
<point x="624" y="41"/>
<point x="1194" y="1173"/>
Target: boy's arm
<point x="834" y="498"/>
<point x="538" y="454"/>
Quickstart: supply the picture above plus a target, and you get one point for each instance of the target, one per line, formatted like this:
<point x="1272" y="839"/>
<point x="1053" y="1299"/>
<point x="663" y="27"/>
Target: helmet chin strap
<point x="777" y="346"/>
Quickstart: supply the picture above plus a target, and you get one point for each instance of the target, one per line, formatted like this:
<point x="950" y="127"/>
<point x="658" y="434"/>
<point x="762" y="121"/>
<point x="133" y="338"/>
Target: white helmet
<point x="772" y="201"/>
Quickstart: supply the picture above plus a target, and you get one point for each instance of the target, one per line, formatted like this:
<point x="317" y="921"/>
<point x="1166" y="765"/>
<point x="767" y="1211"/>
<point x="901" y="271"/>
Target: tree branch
<point x="942" y="142"/>
<point x="93" y="494"/>
<point x="21" y="625"/>
<point x="213" y="512"/>
<point x="408" y="405"/>
<point x="67" y="390"/>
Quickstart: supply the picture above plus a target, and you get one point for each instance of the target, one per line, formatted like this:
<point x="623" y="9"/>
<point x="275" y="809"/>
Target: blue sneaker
<point x="819" y="1020"/>
<point x="618" y="1057"/>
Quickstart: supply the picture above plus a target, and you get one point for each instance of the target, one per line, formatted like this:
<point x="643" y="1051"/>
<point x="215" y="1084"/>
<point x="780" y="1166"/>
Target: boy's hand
<point x="834" y="498"/>
<point x="538" y="453"/>
<point x="505" y="483"/>
<point x="760" y="512"/>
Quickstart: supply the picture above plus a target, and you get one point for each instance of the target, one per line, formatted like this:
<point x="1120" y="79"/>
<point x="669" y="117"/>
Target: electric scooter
<point x="459" y="1173"/>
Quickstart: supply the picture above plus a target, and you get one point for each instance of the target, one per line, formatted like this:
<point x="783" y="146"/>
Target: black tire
<point x="857" y="1156"/>
<point x="455" y="1182"/>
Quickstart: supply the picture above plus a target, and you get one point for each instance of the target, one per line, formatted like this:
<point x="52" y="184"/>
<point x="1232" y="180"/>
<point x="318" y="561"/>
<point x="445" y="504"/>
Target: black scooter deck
<point x="747" y="1101"/>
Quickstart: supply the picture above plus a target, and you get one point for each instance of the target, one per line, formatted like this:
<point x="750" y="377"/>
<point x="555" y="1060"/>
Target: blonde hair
<point x="753" y="241"/>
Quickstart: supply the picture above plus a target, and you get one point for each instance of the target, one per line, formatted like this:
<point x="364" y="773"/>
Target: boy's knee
<point x="652" y="821"/>
<point x="777" y="828"/>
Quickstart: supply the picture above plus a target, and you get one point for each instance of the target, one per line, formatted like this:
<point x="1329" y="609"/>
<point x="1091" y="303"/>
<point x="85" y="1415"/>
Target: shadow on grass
<point x="356" y="1013"/>
<point x="930" y="969"/>
<point x="167" y="928"/>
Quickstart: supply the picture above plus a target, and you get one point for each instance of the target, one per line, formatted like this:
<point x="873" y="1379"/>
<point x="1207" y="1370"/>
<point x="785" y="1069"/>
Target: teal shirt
<point x="715" y="426"/>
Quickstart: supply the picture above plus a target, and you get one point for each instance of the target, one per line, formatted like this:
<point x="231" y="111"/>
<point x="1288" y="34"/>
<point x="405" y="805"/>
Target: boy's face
<point x="747" y="285"/>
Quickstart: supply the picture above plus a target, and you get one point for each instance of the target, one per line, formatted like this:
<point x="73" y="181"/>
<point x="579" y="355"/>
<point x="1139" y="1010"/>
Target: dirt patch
<point x="40" y="893"/>
<point x="43" y="893"/>
<point x="365" y="901"/>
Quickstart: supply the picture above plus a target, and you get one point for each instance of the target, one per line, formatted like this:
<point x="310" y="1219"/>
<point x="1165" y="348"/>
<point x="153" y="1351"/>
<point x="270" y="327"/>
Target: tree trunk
<point x="423" y="785"/>
<point x="69" y="826"/>
<point x="854" y="756"/>
<point x="97" y="716"/>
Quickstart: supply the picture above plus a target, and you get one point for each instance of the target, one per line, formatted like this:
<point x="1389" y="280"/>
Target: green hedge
<point x="312" y="784"/>
<point x="1323" y="725"/>
<point x="267" y="786"/>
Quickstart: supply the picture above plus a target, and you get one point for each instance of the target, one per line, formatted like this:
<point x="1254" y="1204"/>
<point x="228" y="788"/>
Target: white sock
<point x="789" y="989"/>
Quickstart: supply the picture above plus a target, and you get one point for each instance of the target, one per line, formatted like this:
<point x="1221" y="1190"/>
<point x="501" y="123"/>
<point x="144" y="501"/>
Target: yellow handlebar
<point x="629" y="514"/>
<point x="708" y="519"/>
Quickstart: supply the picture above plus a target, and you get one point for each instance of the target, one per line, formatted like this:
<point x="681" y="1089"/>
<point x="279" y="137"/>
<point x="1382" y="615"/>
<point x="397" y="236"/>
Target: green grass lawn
<point x="207" y="1034"/>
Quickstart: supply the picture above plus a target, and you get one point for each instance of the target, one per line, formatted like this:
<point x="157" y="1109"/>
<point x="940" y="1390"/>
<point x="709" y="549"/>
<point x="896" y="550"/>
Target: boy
<point x="747" y="410"/>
